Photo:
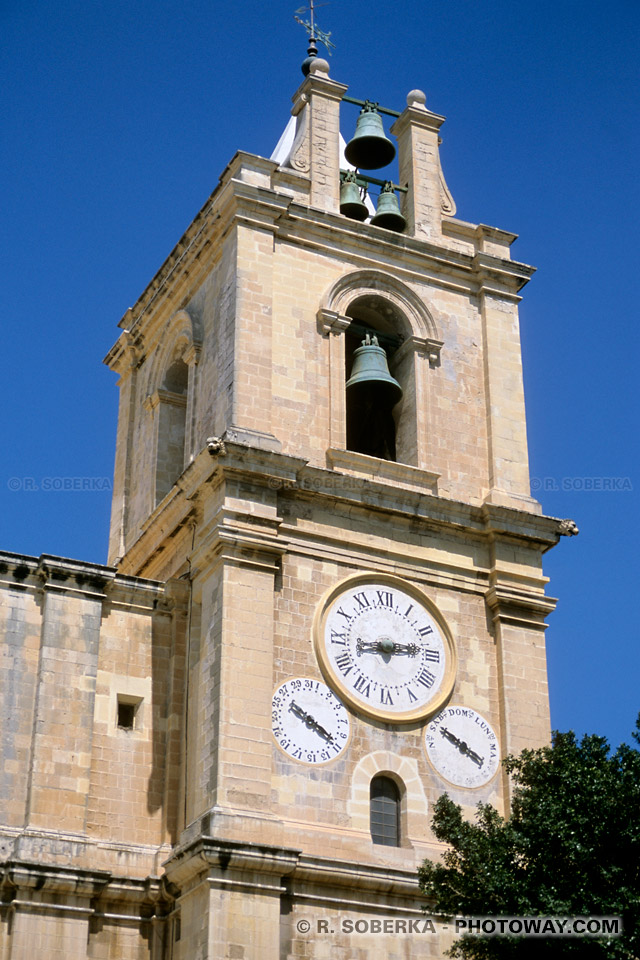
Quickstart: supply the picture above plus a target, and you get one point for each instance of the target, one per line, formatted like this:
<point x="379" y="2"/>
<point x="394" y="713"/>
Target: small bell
<point x="370" y="148"/>
<point x="388" y="212"/>
<point x="351" y="203"/>
<point x="370" y="367"/>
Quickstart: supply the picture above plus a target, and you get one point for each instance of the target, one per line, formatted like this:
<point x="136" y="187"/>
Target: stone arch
<point x="404" y="772"/>
<point x="374" y="301"/>
<point x="176" y="343"/>
<point x="408" y="311"/>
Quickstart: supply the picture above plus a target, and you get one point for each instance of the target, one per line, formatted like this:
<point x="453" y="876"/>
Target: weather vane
<point x="314" y="31"/>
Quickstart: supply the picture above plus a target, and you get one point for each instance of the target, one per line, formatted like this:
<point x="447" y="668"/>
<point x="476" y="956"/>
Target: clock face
<point x="383" y="645"/>
<point x="463" y="747"/>
<point x="308" y="721"/>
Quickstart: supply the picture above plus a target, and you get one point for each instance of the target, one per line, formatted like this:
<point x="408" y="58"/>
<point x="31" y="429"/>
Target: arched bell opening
<point x="172" y="413"/>
<point x="375" y="408"/>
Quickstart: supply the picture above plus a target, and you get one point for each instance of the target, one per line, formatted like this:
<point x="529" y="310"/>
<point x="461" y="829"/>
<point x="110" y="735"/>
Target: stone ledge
<point x="389" y="471"/>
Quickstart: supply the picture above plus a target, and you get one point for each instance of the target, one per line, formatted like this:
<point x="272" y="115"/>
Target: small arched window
<point x="384" y="805"/>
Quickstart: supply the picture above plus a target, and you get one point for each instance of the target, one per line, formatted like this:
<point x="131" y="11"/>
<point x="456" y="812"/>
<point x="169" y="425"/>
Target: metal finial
<point x="315" y="34"/>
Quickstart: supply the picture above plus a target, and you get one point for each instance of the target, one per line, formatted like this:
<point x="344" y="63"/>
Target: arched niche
<point x="172" y="401"/>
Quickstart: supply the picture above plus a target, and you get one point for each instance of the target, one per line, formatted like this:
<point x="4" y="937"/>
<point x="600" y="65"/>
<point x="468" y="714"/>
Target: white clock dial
<point x="463" y="747"/>
<point x="385" y="648"/>
<point x="308" y="721"/>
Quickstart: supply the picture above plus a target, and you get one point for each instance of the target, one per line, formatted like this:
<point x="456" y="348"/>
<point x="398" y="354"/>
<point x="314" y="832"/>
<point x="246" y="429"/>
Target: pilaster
<point x="60" y="774"/>
<point x="127" y="365"/>
<point x="317" y="145"/>
<point x="418" y="157"/>
<point x="333" y="327"/>
<point x="504" y="399"/>
<point x="236" y="564"/>
<point x="518" y="616"/>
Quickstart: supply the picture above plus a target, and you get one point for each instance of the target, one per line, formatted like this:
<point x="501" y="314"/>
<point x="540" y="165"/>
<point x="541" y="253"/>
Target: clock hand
<point x="464" y="749"/>
<point x="309" y="721"/>
<point x="385" y="645"/>
<point x="471" y="754"/>
<point x="314" y="725"/>
<point x="299" y="712"/>
<point x="450" y="736"/>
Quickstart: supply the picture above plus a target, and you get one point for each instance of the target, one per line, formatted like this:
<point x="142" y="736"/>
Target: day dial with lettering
<point x="462" y="746"/>
<point x="385" y="648"/>
<point x="308" y="721"/>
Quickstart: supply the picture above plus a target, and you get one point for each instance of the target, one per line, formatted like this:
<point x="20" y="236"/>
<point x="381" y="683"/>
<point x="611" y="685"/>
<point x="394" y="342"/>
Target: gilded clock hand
<point x="464" y="749"/>
<point x="386" y="645"/>
<point x="309" y="721"/>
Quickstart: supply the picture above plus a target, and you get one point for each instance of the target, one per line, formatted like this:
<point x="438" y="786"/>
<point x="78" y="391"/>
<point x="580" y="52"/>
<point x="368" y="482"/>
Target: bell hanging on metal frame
<point x="351" y="203"/>
<point x="370" y="369"/>
<point x="369" y="148"/>
<point x="388" y="211"/>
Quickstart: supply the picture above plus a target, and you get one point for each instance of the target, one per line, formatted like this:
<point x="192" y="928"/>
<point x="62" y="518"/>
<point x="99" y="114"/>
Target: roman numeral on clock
<point x="385" y="697"/>
<point x="362" y="686"/>
<point x="337" y="637"/>
<point x="361" y="599"/>
<point x="432" y="655"/>
<point x="426" y="679"/>
<point x="385" y="598"/>
<point x="343" y="663"/>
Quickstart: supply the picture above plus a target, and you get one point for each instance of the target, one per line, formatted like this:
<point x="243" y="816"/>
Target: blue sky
<point x="119" y="118"/>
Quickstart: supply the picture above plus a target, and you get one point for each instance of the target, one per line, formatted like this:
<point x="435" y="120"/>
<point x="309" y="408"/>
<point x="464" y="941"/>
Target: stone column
<point x="419" y="163"/>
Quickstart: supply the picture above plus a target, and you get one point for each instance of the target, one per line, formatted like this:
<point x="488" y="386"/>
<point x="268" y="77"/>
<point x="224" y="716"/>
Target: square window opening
<point x="127" y="712"/>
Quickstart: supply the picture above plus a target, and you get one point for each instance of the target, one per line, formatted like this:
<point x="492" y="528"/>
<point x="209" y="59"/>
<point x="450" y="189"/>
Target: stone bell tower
<point x="324" y="604"/>
<point x="314" y="711"/>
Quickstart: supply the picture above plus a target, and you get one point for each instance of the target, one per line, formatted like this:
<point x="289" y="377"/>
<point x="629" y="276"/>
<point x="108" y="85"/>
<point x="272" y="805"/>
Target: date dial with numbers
<point x="308" y="721"/>
<point x="385" y="648"/>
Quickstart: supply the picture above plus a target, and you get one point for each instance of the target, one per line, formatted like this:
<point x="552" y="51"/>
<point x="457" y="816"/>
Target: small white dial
<point x="462" y="746"/>
<point x="383" y="645"/>
<point x="308" y="721"/>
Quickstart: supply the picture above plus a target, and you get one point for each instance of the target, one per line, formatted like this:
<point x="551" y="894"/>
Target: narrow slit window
<point x="384" y="799"/>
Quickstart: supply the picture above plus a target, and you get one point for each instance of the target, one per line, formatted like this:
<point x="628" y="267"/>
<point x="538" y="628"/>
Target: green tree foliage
<point x="570" y="847"/>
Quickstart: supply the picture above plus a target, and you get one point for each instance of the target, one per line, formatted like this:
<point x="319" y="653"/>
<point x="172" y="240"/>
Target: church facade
<point x="226" y="743"/>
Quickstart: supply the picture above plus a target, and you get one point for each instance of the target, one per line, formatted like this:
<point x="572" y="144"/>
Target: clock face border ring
<point x="334" y="681"/>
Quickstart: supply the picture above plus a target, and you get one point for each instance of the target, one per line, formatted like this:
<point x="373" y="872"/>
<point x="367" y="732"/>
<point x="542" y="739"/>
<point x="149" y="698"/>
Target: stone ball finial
<point x="416" y="98"/>
<point x="318" y="65"/>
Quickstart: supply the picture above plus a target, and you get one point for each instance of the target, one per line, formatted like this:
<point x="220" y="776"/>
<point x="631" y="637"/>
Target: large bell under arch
<point x="372" y="392"/>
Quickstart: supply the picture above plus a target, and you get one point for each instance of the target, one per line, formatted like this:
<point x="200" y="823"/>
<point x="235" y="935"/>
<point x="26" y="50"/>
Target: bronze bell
<point x="370" y="370"/>
<point x="388" y="212"/>
<point x="351" y="203"/>
<point x="370" y="148"/>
